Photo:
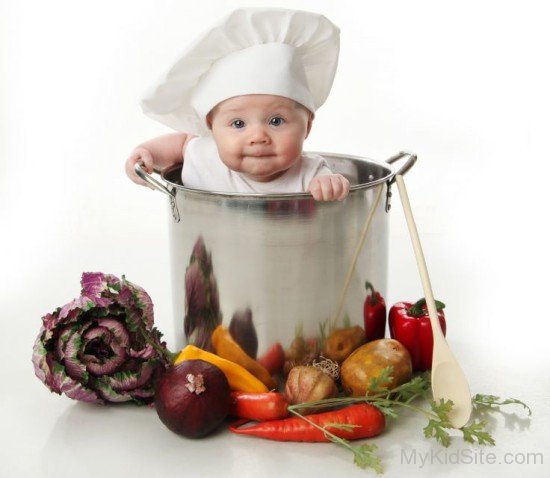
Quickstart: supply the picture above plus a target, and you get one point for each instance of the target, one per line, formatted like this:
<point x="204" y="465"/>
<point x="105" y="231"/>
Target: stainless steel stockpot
<point x="285" y="257"/>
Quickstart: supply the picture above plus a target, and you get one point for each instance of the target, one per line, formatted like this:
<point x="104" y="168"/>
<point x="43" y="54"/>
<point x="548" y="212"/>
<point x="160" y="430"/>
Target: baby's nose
<point x="258" y="135"/>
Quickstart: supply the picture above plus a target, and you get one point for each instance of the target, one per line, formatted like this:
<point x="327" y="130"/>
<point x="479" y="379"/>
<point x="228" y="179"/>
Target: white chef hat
<point x="272" y="51"/>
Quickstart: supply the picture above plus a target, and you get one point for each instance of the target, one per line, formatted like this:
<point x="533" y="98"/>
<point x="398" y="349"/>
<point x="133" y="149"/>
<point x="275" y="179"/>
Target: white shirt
<point x="203" y="169"/>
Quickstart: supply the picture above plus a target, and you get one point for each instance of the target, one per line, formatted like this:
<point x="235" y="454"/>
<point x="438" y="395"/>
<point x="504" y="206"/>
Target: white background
<point x="462" y="84"/>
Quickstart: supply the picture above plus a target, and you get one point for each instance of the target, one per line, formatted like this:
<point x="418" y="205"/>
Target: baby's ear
<point x="310" y="122"/>
<point x="209" y="121"/>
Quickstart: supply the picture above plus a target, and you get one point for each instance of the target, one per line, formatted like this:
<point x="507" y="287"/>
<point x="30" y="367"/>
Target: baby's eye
<point x="276" y="121"/>
<point x="238" y="124"/>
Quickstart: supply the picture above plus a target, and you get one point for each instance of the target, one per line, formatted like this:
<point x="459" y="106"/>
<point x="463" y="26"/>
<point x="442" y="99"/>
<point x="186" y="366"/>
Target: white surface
<point x="463" y="84"/>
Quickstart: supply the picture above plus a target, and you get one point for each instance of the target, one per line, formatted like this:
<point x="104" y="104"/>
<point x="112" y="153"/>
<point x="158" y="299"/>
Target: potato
<point x="367" y="362"/>
<point x="342" y="342"/>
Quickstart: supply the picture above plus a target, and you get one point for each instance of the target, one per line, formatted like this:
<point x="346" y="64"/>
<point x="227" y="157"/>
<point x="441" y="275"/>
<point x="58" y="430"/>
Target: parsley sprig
<point x="388" y="401"/>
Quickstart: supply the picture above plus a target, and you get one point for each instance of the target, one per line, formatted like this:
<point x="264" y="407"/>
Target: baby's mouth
<point x="259" y="155"/>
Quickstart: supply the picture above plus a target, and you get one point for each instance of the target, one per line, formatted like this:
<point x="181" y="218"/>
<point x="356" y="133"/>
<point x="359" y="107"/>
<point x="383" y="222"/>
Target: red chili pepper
<point x="410" y="325"/>
<point x="258" y="406"/>
<point x="366" y="421"/>
<point x="374" y="314"/>
<point x="274" y="359"/>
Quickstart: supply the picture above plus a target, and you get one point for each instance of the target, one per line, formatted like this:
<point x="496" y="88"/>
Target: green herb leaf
<point x="476" y="432"/>
<point x="479" y="401"/>
<point x="435" y="429"/>
<point x="386" y="407"/>
<point x="442" y="410"/>
<point x="419" y="386"/>
<point x="379" y="384"/>
<point x="365" y="457"/>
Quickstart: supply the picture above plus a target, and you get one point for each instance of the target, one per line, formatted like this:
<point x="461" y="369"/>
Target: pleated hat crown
<point x="282" y="52"/>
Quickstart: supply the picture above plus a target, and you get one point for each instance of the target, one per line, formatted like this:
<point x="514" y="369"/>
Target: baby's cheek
<point x="233" y="160"/>
<point x="289" y="145"/>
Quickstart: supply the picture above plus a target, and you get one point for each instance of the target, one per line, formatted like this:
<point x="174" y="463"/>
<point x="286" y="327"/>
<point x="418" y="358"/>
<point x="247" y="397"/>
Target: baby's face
<point x="260" y="136"/>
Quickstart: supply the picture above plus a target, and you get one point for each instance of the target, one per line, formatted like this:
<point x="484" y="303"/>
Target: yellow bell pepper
<point x="240" y="379"/>
<point x="227" y="348"/>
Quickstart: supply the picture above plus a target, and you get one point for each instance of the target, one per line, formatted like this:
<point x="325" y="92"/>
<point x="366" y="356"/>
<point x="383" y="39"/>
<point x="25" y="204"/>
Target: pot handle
<point x="406" y="167"/>
<point x="156" y="184"/>
<point x="151" y="181"/>
<point x="411" y="160"/>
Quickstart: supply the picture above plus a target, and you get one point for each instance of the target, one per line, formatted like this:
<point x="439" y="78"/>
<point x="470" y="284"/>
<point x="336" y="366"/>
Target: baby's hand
<point x="143" y="157"/>
<point x="329" y="187"/>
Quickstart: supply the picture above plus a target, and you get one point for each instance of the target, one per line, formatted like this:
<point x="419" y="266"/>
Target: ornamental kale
<point x="101" y="347"/>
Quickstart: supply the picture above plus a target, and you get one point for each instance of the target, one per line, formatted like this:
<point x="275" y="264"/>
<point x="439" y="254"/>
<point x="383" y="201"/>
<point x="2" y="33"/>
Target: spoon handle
<point x="420" y="261"/>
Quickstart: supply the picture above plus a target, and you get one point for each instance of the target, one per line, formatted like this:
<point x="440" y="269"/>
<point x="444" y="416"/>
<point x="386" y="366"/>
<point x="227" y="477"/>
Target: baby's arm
<point x="157" y="153"/>
<point x="329" y="187"/>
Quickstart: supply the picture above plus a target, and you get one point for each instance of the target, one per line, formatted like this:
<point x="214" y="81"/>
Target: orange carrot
<point x="364" y="421"/>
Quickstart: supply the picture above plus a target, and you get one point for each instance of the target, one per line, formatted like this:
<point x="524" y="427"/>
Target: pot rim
<point x="302" y="195"/>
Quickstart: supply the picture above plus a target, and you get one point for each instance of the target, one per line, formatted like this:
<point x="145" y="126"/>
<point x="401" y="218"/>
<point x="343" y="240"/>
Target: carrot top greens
<point x="388" y="401"/>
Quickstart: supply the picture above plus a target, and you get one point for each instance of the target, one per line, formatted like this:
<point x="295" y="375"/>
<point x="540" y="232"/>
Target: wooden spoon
<point x="448" y="379"/>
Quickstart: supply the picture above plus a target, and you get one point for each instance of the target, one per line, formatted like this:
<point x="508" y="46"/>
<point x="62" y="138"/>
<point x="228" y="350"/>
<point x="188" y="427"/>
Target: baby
<point x="247" y="134"/>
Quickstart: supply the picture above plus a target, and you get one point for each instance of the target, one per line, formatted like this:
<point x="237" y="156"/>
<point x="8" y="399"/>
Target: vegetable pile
<point x="338" y="387"/>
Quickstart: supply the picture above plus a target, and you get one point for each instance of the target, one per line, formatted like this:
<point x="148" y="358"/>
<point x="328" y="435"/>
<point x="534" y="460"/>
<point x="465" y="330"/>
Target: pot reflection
<point x="283" y="257"/>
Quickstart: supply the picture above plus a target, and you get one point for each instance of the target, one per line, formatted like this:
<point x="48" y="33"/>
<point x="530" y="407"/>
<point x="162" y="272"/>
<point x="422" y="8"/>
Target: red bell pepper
<point x="410" y="324"/>
<point x="374" y="314"/>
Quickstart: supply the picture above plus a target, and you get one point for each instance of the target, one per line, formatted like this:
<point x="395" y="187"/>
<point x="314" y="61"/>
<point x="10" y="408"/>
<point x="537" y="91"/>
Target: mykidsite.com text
<point x="467" y="456"/>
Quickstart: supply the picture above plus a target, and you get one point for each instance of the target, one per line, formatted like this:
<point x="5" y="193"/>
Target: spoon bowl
<point x="449" y="383"/>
